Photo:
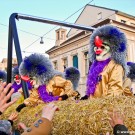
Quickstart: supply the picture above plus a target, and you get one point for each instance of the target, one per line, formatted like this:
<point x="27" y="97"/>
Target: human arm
<point x="13" y="117"/>
<point x="119" y="129"/>
<point x="32" y="100"/>
<point x="117" y="123"/>
<point x="4" y="97"/>
<point x="43" y="125"/>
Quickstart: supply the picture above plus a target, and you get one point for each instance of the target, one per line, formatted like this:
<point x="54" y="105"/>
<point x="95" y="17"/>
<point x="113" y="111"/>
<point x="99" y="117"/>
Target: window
<point x="132" y="24"/>
<point x="99" y="16"/>
<point x="55" y="65"/>
<point x="86" y="59"/>
<point x="58" y="35"/>
<point x="63" y="35"/>
<point x="123" y="21"/>
<point x="75" y="61"/>
<point x="65" y="63"/>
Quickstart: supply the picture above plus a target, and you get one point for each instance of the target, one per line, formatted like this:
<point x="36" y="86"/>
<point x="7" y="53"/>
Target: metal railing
<point x="13" y="36"/>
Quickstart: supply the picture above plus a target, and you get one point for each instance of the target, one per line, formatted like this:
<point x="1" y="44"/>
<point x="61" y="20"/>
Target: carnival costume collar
<point x="43" y="94"/>
<point x="18" y="86"/>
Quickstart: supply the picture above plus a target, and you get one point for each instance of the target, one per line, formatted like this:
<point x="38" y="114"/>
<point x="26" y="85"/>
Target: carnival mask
<point x="17" y="79"/>
<point x="101" y="49"/>
<point x="33" y="80"/>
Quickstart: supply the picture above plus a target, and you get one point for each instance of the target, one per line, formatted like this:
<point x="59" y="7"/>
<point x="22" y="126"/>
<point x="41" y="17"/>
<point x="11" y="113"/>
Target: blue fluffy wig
<point x="131" y="73"/>
<point x="39" y="66"/>
<point x="3" y="75"/>
<point x="73" y="74"/>
<point x="15" y="71"/>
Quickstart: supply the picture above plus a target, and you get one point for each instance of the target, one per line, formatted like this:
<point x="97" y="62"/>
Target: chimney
<point x="60" y="36"/>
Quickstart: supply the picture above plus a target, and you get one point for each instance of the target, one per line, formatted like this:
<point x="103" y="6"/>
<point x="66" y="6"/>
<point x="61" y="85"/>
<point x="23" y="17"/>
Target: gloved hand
<point x="77" y="96"/>
<point x="84" y="97"/>
<point x="20" y="107"/>
<point x="63" y="97"/>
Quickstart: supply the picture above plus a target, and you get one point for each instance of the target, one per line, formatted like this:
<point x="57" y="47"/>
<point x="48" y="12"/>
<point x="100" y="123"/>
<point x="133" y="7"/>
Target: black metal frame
<point x="13" y="36"/>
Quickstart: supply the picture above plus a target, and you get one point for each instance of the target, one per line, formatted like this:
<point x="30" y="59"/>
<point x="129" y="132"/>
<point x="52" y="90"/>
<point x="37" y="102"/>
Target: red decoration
<point x="17" y="77"/>
<point x="98" y="42"/>
<point x="25" y="78"/>
<point x="98" y="51"/>
<point x="31" y="82"/>
<point x="60" y="99"/>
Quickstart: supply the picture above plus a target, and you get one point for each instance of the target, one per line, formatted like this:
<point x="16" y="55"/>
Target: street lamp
<point x="41" y="41"/>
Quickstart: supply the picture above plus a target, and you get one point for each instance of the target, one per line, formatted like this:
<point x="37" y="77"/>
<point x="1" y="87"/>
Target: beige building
<point x="71" y="49"/>
<point x="3" y="64"/>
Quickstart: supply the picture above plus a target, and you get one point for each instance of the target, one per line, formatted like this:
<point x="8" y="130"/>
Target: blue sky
<point x="53" y="9"/>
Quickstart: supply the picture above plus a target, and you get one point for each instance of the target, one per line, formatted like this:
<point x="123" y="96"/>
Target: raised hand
<point x="48" y="111"/>
<point x="116" y="118"/>
<point x="13" y="116"/>
<point x="4" y="97"/>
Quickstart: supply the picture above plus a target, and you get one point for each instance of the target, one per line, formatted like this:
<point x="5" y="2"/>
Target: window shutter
<point x="75" y="61"/>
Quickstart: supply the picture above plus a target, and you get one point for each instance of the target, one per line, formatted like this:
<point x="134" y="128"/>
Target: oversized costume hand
<point x="77" y="96"/>
<point x="84" y="97"/>
<point x="20" y="107"/>
<point x="63" y="97"/>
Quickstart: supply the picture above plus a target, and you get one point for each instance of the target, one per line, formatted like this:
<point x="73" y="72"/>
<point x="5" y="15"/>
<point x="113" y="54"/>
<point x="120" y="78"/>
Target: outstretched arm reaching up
<point x="4" y="97"/>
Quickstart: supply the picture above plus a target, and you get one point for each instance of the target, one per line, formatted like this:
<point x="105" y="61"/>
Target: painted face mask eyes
<point x="95" y="48"/>
<point x="106" y="44"/>
<point x="102" y="47"/>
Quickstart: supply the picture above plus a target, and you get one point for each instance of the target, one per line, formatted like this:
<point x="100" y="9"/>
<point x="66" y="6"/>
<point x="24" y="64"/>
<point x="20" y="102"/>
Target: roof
<point x="54" y="47"/>
<point x="102" y="7"/>
<point x="117" y="11"/>
<point x="66" y="41"/>
<point x="105" y="21"/>
<point x="75" y="36"/>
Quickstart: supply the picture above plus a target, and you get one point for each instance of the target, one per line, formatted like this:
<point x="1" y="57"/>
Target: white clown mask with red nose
<point x="17" y="79"/>
<point x="101" y="49"/>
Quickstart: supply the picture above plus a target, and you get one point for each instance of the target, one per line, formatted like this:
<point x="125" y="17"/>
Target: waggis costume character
<point x="108" y="47"/>
<point x="16" y="79"/>
<point x="3" y="76"/>
<point x="73" y="74"/>
<point x="129" y="82"/>
<point x="52" y="85"/>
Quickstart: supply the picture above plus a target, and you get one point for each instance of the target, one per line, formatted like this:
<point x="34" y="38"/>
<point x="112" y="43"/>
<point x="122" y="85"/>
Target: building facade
<point x="71" y="49"/>
<point x="3" y="63"/>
